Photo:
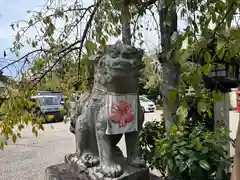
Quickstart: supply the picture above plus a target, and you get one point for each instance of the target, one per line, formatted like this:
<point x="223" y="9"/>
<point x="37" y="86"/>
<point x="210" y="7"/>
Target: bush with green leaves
<point x="200" y="110"/>
<point x="185" y="153"/>
<point x="151" y="131"/>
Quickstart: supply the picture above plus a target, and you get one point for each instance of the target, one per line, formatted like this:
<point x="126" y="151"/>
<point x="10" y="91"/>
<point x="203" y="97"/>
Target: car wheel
<point x="61" y="119"/>
<point x="143" y="109"/>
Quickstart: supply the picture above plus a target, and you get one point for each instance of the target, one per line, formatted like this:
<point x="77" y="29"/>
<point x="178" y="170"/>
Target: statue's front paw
<point x="89" y="159"/>
<point x="111" y="170"/>
<point x="137" y="162"/>
<point x="75" y="162"/>
<point x="71" y="158"/>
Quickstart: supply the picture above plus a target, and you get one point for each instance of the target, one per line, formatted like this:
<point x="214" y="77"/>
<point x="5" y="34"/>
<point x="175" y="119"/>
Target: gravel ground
<point x="29" y="157"/>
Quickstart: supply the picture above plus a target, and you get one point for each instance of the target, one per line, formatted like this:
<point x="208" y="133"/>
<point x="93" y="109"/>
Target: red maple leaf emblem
<point x="121" y="113"/>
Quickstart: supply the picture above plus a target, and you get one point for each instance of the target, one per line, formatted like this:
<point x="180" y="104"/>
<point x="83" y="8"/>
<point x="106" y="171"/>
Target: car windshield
<point x="144" y="99"/>
<point x="48" y="100"/>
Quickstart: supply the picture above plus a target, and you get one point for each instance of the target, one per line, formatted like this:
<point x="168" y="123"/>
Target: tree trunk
<point x="126" y="29"/>
<point x="171" y="70"/>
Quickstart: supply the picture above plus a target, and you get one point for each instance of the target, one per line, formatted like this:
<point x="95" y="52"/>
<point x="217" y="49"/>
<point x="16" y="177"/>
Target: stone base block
<point x="66" y="172"/>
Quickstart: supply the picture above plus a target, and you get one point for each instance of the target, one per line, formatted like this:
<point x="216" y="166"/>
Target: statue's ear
<point x="94" y="59"/>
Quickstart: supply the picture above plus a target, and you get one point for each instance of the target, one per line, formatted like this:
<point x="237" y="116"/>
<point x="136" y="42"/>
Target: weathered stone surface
<point x="65" y="172"/>
<point x="117" y="70"/>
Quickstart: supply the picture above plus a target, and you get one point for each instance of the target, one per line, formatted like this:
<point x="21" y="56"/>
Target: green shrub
<point x="186" y="153"/>
<point x="195" y="116"/>
<point x="152" y="130"/>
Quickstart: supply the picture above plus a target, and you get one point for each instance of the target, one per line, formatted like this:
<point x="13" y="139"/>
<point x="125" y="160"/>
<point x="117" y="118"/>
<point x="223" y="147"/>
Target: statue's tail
<point x="77" y="109"/>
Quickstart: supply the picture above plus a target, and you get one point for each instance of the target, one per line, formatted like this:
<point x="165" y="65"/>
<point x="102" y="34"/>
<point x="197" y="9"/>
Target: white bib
<point x="122" y="113"/>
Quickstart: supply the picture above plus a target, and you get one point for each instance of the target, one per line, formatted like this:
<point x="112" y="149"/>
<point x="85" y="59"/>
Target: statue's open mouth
<point x="124" y="64"/>
<point x="124" y="73"/>
<point x="123" y="67"/>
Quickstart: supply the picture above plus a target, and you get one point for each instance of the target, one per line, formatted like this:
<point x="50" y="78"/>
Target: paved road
<point x="28" y="159"/>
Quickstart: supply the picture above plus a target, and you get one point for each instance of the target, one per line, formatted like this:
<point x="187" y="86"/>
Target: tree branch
<point x="223" y="19"/>
<point x="24" y="30"/>
<point x="148" y="3"/>
<point x="88" y="25"/>
<point x="82" y="16"/>
<point x="24" y="57"/>
<point x="42" y="50"/>
<point x="54" y="64"/>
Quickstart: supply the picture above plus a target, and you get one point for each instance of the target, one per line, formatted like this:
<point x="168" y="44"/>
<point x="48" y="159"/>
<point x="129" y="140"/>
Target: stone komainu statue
<point x="110" y="110"/>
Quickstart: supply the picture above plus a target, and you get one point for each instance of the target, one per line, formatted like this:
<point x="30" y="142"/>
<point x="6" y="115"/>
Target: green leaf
<point x="103" y="41"/>
<point x="201" y="106"/>
<point x="216" y="96"/>
<point x="1" y="145"/>
<point x="90" y="46"/>
<point x="220" y="44"/>
<point x="36" y="133"/>
<point x="12" y="26"/>
<point x="14" y="138"/>
<point x="183" y="151"/>
<point x="182" y="113"/>
<point x="39" y="64"/>
<point x="185" y="55"/>
<point x="205" y="150"/>
<point x="209" y="112"/>
<point x="207" y="57"/>
<point x="182" y="166"/>
<point x="19" y="135"/>
<point x="170" y="165"/>
<point x="34" y="44"/>
<point x="198" y="144"/>
<point x="9" y="130"/>
<point x="206" y="69"/>
<point x="41" y="126"/>
<point x="165" y="146"/>
<point x="204" y="164"/>
<point x="30" y="22"/>
<point x="33" y="129"/>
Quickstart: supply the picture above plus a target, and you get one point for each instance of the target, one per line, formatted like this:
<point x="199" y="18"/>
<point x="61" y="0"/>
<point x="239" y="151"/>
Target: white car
<point x="147" y="105"/>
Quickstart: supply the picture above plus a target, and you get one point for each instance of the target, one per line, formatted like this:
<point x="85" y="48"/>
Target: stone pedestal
<point x="68" y="172"/>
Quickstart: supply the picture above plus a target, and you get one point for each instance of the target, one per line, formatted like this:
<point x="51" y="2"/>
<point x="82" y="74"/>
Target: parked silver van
<point x="49" y="107"/>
